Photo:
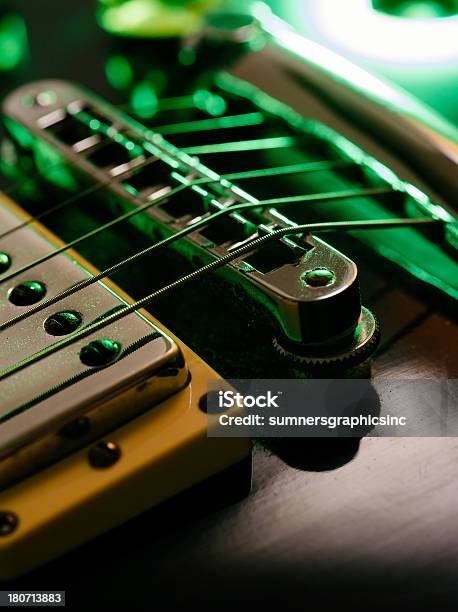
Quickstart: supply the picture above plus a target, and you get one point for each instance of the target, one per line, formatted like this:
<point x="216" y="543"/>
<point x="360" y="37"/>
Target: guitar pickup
<point x="87" y="389"/>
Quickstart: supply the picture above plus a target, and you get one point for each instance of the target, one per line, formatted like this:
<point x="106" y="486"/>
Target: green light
<point x="414" y="9"/>
<point x="210" y="103"/>
<point x="144" y="100"/>
<point x="94" y="124"/>
<point x="357" y="27"/>
<point x="51" y="165"/>
<point x="119" y="72"/>
<point x="13" y="41"/>
<point x="153" y="18"/>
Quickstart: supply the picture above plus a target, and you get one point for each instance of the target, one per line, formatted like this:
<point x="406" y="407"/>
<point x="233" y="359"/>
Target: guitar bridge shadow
<point x="318" y="454"/>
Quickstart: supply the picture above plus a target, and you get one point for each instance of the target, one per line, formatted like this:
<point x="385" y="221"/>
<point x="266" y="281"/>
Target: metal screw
<point x="100" y="352"/>
<point x="231" y="27"/>
<point x="319" y="277"/>
<point x="46" y="98"/>
<point x="27" y="293"/>
<point x="62" y="323"/>
<point x="8" y="523"/>
<point x="212" y="398"/>
<point x="203" y="403"/>
<point x="104" y="454"/>
<point x="76" y="428"/>
<point x="5" y="262"/>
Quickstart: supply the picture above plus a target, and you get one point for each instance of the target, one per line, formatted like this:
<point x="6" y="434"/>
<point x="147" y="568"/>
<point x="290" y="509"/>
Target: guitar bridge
<point x="306" y="291"/>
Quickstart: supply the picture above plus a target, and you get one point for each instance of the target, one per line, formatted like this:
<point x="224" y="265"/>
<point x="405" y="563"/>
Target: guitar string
<point x="213" y="123"/>
<point x="100" y="185"/>
<point x="168" y="192"/>
<point x="163" y="104"/>
<point x="95" y="188"/>
<point x="214" y="265"/>
<point x="210" y="123"/>
<point x="91" y="190"/>
<point x="241" y="175"/>
<point x="259" y="144"/>
<point x="174" y="191"/>
<point x="299" y="168"/>
<point x="304" y="167"/>
<point x="192" y="227"/>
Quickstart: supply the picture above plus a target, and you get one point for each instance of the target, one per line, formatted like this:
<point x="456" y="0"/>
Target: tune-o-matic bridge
<point x="305" y="289"/>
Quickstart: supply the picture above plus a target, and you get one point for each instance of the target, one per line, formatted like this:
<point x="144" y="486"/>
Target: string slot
<point x="88" y="143"/>
<point x="82" y="127"/>
<point x="112" y="155"/>
<point x="274" y="256"/>
<point x="89" y="115"/>
<point x="70" y="131"/>
<point x="145" y="182"/>
<point x="184" y="206"/>
<point x="228" y="230"/>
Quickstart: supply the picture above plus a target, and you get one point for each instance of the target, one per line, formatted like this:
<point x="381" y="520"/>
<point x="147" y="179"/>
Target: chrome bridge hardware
<point x="105" y="380"/>
<point x="98" y="143"/>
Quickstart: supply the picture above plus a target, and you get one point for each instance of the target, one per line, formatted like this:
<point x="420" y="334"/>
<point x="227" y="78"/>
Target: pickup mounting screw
<point x="100" y="352"/>
<point x="104" y="454"/>
<point x="76" y="429"/>
<point x="212" y="398"/>
<point x="62" y="323"/>
<point x="29" y="292"/>
<point x="8" y="523"/>
<point x="5" y="262"/>
<point x="319" y="277"/>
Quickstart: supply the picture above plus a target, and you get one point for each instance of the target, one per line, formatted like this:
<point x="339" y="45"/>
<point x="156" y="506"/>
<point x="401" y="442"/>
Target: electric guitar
<point x="233" y="203"/>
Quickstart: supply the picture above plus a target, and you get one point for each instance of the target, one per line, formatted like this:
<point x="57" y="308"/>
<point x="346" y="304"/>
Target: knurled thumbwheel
<point x="341" y="355"/>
